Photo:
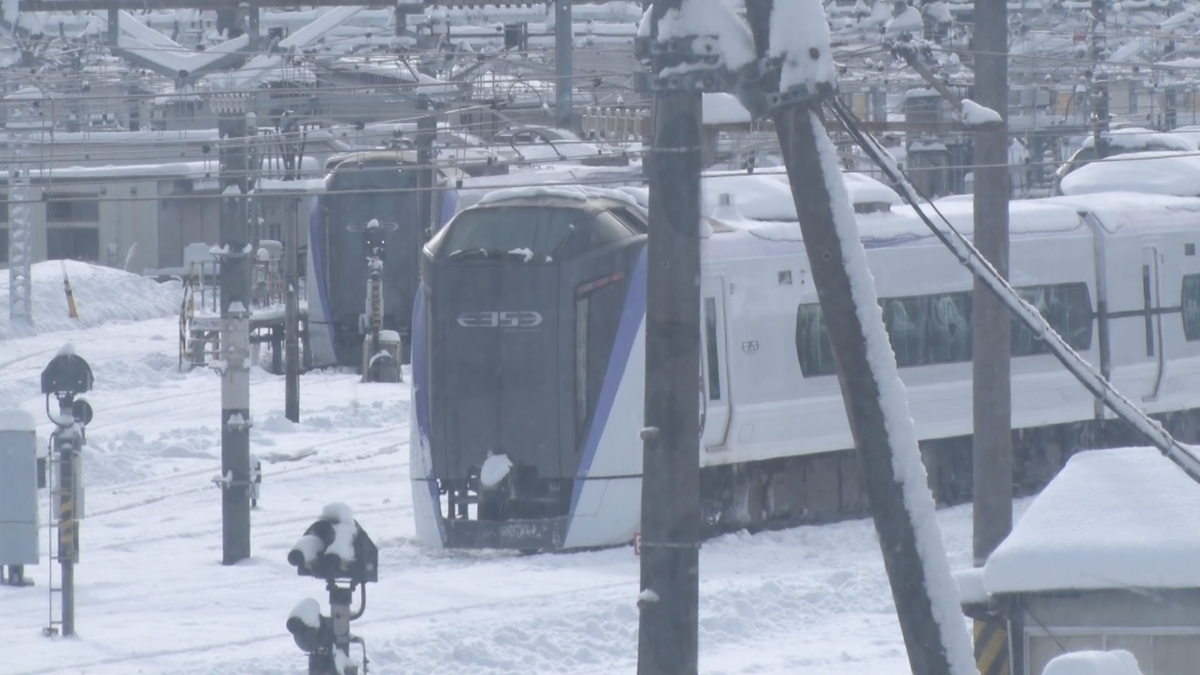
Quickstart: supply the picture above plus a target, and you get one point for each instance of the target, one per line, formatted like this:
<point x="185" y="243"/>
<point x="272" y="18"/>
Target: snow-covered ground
<point x="152" y="596"/>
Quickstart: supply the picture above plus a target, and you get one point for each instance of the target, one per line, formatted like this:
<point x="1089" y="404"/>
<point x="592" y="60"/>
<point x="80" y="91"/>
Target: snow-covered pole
<point x="670" y="530"/>
<point x="21" y="195"/>
<point x="795" y="33"/>
<point x="235" y="260"/>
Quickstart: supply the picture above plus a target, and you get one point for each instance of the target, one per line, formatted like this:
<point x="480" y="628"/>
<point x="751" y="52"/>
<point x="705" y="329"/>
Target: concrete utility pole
<point x="670" y="544"/>
<point x="235" y="259"/>
<point x="798" y="136"/>
<point x="564" y="48"/>
<point x="991" y="325"/>
<point x="291" y="314"/>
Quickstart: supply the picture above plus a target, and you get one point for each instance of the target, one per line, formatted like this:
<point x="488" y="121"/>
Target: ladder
<point x="54" y="496"/>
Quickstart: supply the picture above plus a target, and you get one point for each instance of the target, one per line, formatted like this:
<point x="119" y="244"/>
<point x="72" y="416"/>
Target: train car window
<point x="1191" y="306"/>
<point x="607" y="229"/>
<point x="1068" y="309"/>
<point x="710" y="336"/>
<point x="626" y="216"/>
<point x="950" y="328"/>
<point x="812" y="342"/>
<point x="542" y="231"/>
<point x="906" y="326"/>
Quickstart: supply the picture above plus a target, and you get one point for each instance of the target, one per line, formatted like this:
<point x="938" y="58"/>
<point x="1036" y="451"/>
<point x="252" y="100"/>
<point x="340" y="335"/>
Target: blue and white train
<point x="528" y="359"/>
<point x="377" y="185"/>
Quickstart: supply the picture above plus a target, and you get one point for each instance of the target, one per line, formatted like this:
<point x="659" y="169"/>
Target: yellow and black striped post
<point x="991" y="645"/>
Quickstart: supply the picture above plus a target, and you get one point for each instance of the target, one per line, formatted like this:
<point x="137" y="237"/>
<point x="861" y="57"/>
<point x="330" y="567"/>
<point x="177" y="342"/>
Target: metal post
<point x="426" y="133"/>
<point x="800" y="136"/>
<point x="339" y="612"/>
<point x="670" y="580"/>
<point x="291" y="280"/>
<point x="564" y="47"/>
<point x="66" y="447"/>
<point x="114" y="27"/>
<point x="237" y="254"/>
<point x="252" y="28"/>
<point x="990" y="321"/>
<point x="20" y="195"/>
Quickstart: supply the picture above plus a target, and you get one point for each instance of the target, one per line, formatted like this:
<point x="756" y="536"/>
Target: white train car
<point x="551" y="457"/>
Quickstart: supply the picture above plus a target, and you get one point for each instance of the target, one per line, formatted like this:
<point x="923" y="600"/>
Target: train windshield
<point x="526" y="233"/>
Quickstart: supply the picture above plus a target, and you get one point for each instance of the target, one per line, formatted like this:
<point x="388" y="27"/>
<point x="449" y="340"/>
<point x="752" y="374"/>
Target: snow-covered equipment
<point x="18" y="495"/>
<point x="336" y="549"/>
<point x="381" y="348"/>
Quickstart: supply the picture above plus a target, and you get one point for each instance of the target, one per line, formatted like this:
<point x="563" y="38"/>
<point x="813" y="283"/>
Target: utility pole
<point x="881" y="441"/>
<point x="670" y="543"/>
<point x="236" y="254"/>
<point x="564" y="47"/>
<point x="291" y="314"/>
<point x="21" y="119"/>
<point x="991" y="325"/>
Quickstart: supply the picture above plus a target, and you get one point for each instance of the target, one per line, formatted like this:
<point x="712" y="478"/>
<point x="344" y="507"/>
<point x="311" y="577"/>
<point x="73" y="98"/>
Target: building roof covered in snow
<point x="1111" y="519"/>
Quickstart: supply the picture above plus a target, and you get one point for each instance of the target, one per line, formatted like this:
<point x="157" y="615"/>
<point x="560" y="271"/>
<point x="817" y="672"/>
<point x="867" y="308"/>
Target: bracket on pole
<point x="693" y="64"/>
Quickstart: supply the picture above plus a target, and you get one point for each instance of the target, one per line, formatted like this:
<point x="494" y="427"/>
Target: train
<point x="528" y="358"/>
<point x="380" y="185"/>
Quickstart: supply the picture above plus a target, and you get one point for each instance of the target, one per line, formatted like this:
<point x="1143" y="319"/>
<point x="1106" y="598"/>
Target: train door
<point x="1151" y="264"/>
<point x="714" y="367"/>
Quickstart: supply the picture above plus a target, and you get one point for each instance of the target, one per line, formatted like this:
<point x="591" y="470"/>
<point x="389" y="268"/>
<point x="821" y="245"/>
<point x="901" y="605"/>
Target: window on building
<point x="72" y="209"/>
<point x="3" y="208"/>
<point x="73" y="243"/>
<point x="4" y="246"/>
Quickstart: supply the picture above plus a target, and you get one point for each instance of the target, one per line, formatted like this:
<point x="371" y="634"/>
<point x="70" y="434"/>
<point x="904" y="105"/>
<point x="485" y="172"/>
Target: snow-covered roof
<point x="1158" y="172"/>
<point x="17" y="420"/>
<point x="1111" y="519"/>
<point x="722" y="108"/>
<point x="1114" y="662"/>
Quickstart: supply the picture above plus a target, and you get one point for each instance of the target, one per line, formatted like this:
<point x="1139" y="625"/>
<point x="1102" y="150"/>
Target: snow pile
<point x="307" y="612"/>
<point x="342" y="546"/>
<point x="711" y="19"/>
<point x="800" y="34"/>
<point x="1120" y="518"/>
<point x="893" y="399"/>
<point x="722" y="108"/>
<point x="1140" y="138"/>
<point x="974" y="115"/>
<point x="102" y="295"/>
<point x="576" y="192"/>
<point x="1115" y="662"/>
<point x="494" y="469"/>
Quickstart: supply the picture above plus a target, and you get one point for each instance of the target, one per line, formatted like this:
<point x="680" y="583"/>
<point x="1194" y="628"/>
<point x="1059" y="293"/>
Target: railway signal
<point x="65" y="377"/>
<point x="336" y="549"/>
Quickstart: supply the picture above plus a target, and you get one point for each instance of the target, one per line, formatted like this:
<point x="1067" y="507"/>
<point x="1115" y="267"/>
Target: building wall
<point x="185" y="219"/>
<point x="1161" y="628"/>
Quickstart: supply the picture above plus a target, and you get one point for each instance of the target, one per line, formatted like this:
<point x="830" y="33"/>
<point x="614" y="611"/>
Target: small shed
<point x="1107" y="557"/>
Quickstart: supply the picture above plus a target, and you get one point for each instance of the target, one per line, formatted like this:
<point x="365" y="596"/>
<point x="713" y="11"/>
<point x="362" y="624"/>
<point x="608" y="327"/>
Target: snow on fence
<point x="614" y="124"/>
